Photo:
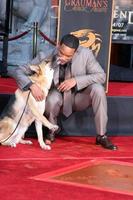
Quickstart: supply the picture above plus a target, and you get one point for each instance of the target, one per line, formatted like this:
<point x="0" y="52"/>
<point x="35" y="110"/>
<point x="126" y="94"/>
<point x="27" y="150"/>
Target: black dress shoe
<point x="50" y="136"/>
<point x="105" y="142"/>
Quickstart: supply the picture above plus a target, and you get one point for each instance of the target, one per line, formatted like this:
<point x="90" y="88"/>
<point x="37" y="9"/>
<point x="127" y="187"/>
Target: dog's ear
<point x="35" y="68"/>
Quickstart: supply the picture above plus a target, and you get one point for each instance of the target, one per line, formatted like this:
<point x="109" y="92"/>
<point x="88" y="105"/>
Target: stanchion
<point x="35" y="33"/>
<point x="3" y="63"/>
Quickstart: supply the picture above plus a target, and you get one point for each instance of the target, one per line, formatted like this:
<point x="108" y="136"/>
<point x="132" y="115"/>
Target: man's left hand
<point x="67" y="85"/>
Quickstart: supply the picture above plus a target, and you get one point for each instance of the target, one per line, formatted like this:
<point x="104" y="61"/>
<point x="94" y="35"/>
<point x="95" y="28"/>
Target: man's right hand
<point x="37" y="92"/>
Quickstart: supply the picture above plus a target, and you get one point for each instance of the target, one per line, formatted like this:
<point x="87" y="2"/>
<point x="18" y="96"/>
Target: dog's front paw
<point x="45" y="146"/>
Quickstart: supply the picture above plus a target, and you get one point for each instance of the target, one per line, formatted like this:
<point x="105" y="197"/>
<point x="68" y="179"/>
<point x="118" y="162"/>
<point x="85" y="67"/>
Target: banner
<point x="122" y="28"/>
<point x="90" y="21"/>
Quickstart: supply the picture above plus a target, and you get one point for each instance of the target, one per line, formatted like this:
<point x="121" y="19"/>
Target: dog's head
<point x="43" y="72"/>
<point x="43" y="68"/>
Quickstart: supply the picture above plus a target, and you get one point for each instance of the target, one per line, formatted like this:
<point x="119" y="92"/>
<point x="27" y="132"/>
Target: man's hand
<point x="37" y="92"/>
<point x="67" y="85"/>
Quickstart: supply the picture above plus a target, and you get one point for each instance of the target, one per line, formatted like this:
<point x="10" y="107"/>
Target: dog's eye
<point x="47" y="61"/>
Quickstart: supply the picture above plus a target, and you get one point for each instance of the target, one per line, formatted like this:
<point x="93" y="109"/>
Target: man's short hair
<point x="70" y="41"/>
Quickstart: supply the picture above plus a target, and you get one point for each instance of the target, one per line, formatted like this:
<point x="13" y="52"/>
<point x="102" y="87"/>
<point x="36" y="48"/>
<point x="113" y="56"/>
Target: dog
<point x="23" y="109"/>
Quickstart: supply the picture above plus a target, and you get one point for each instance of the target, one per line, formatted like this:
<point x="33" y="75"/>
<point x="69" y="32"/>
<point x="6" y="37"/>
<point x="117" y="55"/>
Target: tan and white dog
<point x="24" y="109"/>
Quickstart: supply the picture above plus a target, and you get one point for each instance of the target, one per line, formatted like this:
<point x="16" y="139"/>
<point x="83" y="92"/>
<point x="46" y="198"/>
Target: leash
<point x="4" y="140"/>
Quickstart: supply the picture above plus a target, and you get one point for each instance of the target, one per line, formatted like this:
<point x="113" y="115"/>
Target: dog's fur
<point x="11" y="130"/>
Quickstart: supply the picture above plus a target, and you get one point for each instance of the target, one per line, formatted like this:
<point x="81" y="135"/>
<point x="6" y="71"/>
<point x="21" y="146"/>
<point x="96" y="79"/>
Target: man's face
<point x="65" y="54"/>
